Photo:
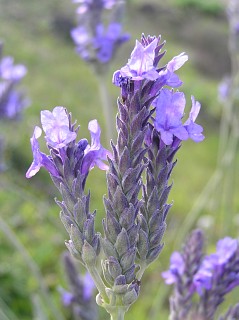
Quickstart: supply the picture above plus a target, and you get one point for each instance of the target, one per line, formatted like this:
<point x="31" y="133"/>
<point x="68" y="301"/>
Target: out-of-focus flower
<point x="97" y="41"/>
<point x="12" y="101"/>
<point x="107" y="41"/>
<point x="176" y="268"/>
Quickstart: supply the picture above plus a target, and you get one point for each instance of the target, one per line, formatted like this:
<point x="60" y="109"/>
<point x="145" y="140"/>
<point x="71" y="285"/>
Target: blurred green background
<point x="36" y="33"/>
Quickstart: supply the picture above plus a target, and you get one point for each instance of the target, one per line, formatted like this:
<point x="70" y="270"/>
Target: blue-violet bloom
<point x="176" y="268"/>
<point x="169" y="112"/>
<point x="95" y="153"/>
<point x="39" y="158"/>
<point x="56" y="126"/>
<point x="194" y="130"/>
<point x="141" y="63"/>
<point x="9" y="71"/>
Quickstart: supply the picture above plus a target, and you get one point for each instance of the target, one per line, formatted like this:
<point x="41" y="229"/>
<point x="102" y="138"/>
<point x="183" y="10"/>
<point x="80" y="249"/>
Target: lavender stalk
<point x="150" y="132"/>
<point x="69" y="163"/>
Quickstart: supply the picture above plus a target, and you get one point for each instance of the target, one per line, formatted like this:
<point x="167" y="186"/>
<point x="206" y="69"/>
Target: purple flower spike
<point x="169" y="112"/>
<point x="194" y="130"/>
<point x="176" y="268"/>
<point x="95" y="154"/>
<point x="39" y="158"/>
<point x="141" y="64"/>
<point x="56" y="126"/>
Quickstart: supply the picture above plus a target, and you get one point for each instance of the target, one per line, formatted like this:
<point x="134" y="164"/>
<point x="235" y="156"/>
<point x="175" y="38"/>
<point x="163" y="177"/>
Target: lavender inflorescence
<point x="99" y="31"/>
<point x="211" y="277"/>
<point x="150" y="131"/>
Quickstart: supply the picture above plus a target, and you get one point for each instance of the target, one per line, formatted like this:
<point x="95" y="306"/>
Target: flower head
<point x="60" y="137"/>
<point x="97" y="40"/>
<point x="56" y="126"/>
<point x="12" y="101"/>
<point x="107" y="42"/>
<point x="9" y="71"/>
<point x="141" y="63"/>
<point x="169" y="112"/>
<point x="176" y="268"/>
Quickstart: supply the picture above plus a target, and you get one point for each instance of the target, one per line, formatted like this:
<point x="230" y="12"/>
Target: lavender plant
<point x="209" y="277"/>
<point x="98" y="35"/>
<point x="150" y="132"/>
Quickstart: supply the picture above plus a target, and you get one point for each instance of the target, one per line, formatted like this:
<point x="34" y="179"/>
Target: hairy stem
<point x="118" y="315"/>
<point x="98" y="282"/>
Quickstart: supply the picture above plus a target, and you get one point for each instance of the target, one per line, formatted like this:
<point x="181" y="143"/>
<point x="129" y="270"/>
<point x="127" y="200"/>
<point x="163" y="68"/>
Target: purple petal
<point x="226" y="248"/>
<point x="39" y="158"/>
<point x="80" y="36"/>
<point x="56" y="126"/>
<point x="169" y="112"/>
<point x="176" y="268"/>
<point x="10" y="72"/>
<point x="194" y="130"/>
<point x="140" y="65"/>
<point x="95" y="154"/>
<point x="177" y="62"/>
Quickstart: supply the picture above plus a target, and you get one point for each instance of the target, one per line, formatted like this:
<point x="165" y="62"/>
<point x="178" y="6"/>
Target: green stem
<point x="108" y="111"/>
<point x="118" y="315"/>
<point x="98" y="282"/>
<point x="143" y="267"/>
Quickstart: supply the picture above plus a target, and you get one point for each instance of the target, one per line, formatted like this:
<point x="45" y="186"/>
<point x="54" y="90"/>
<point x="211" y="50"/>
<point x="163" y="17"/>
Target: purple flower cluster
<point x="169" y="105"/>
<point x="60" y="136"/>
<point x="214" y="276"/>
<point x="96" y="42"/>
<point x="150" y="131"/>
<point x="69" y="163"/>
<point x="12" y="101"/>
